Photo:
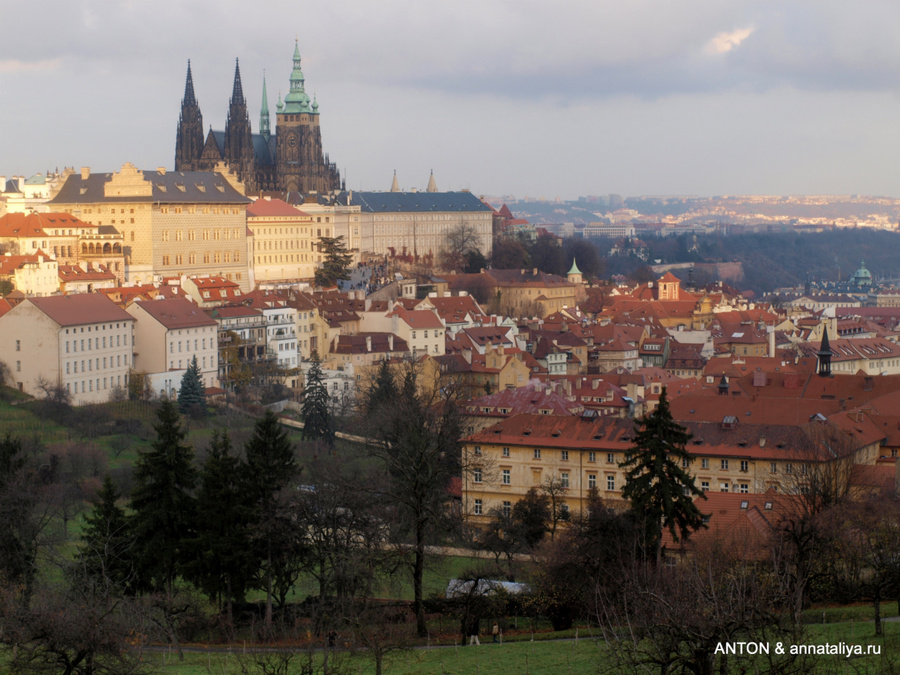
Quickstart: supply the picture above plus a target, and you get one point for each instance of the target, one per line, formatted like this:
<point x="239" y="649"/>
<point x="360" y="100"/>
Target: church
<point x="291" y="159"/>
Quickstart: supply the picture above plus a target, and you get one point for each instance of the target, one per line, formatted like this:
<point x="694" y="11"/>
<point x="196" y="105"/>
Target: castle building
<point x="291" y="159"/>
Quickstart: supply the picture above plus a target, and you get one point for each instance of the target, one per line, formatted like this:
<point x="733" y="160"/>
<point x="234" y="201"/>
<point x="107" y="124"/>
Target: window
<point x="592" y="456"/>
<point x="773" y="468"/>
<point x="564" y="455"/>
<point x="610" y="482"/>
<point x="506" y="452"/>
<point x="507" y="509"/>
<point x="704" y="485"/>
<point x="537" y="453"/>
<point x="507" y="478"/>
<point x="610" y="458"/>
<point x="477" y="449"/>
<point x="789" y="468"/>
<point x="724" y="465"/>
<point x="685" y="463"/>
<point x="745" y="465"/>
<point x="564" y="479"/>
<point x="476" y="473"/>
<point x="479" y="507"/>
<point x="704" y="463"/>
<point x="744" y="488"/>
<point x="592" y="481"/>
<point x="724" y="487"/>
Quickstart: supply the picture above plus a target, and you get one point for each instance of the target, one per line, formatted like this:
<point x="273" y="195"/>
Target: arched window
<point x="84" y="248"/>
<point x="107" y="249"/>
<point x="117" y="248"/>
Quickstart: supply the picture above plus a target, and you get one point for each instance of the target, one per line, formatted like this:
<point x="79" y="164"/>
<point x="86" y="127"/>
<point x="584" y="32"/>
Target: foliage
<point x="105" y="553"/>
<point x="548" y="256"/>
<point x="336" y="263"/>
<point x="531" y="516"/>
<point x="272" y="469"/>
<point x="317" y="422"/>
<point x="222" y="563"/>
<point x="416" y="440"/>
<point x="660" y="490"/>
<point x="162" y="503"/>
<point x="509" y="253"/>
<point x="458" y="244"/>
<point x="192" y="393"/>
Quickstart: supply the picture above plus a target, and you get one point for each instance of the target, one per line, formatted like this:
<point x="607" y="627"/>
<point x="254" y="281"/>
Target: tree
<point x="416" y="439"/>
<point x="162" y="503"/>
<point x="192" y="393"/>
<point x="458" y="243"/>
<point x="547" y="255"/>
<point x="656" y="484"/>
<point x="531" y="516"/>
<point x="106" y="541"/>
<point x="6" y="287"/>
<point x="556" y="490"/>
<point x="223" y="566"/>
<point x="508" y="253"/>
<point x="336" y="263"/>
<point x="271" y="468"/>
<point x="317" y="422"/>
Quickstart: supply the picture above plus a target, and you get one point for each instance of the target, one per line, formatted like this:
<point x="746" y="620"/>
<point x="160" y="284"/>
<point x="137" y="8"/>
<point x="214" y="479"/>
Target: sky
<point x="503" y="97"/>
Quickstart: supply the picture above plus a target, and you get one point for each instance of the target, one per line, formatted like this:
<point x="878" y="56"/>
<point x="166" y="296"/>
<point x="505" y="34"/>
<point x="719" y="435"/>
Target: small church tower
<point x="824" y="355"/>
<point x="574" y="276"/>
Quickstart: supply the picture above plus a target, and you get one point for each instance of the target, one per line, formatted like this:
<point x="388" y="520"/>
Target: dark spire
<point x="237" y="93"/>
<point x="189" y="98"/>
<point x="824" y="355"/>
<point x="723" y="386"/>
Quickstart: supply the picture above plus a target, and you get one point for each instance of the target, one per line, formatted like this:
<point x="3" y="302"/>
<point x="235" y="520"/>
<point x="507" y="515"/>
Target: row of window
<point x="743" y="488"/>
<point x="92" y="343"/>
<point x="506" y="478"/>
<point x="84" y="386"/>
<point x="217" y="257"/>
<point x="506" y="507"/>
<point x="216" y="234"/>
<point x="187" y="345"/>
<point x="91" y="365"/>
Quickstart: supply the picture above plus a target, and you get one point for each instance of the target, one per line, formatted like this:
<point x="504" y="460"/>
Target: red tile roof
<point x="81" y="309"/>
<point x="175" y="313"/>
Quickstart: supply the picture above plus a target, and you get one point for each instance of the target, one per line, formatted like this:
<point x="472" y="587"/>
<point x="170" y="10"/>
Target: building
<point x="285" y="247"/>
<point x="35" y="274"/>
<point x="416" y="223"/>
<point x="80" y="342"/>
<point x="181" y="223"/>
<point x="168" y="334"/>
<point x="289" y="160"/>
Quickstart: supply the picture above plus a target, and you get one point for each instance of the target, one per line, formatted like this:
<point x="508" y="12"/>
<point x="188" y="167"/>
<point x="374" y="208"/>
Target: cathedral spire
<point x="237" y="93"/>
<point x="297" y="100"/>
<point x="395" y="186"/>
<point x="189" y="98"/>
<point x="264" y="113"/>
<point x="432" y="186"/>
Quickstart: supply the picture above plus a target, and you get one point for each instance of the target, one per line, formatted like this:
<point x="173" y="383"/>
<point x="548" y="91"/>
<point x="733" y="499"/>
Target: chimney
<point x="534" y="272"/>
<point x="771" y="336"/>
<point x="85" y="172"/>
<point x="467" y="355"/>
<point x="368" y="343"/>
<point x="390" y="342"/>
<point x="161" y="170"/>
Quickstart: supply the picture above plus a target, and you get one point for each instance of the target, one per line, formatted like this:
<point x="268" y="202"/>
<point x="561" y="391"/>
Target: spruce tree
<point x="106" y="543"/>
<point x="660" y="490"/>
<point x="271" y="467"/>
<point x="336" y="264"/>
<point x="162" y="503"/>
<point x="383" y="390"/>
<point x="223" y="564"/>
<point x="192" y="394"/>
<point x="317" y="422"/>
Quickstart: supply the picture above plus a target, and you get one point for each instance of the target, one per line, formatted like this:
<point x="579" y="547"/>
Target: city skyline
<point x="505" y="98"/>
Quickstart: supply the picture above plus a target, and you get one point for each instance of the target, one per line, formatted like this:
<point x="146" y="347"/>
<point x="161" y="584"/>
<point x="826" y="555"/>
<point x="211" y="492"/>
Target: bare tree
<point x="458" y="243"/>
<point x="556" y="488"/>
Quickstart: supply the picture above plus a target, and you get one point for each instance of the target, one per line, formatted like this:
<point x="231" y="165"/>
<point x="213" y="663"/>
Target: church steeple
<point x="432" y="186"/>
<point x="297" y="100"/>
<point x="824" y="355"/>
<point x="395" y="185"/>
<point x="264" y="113"/>
<point x="189" y="139"/>
<point x="237" y="91"/>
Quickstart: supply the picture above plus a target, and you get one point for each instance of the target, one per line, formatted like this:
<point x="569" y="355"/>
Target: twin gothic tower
<point x="290" y="160"/>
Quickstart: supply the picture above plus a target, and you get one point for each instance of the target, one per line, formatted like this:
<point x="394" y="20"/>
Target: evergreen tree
<point x="162" y="503"/>
<point x="382" y="393"/>
<point x="20" y="518"/>
<point x="106" y="542"/>
<point x="317" y="422"/>
<point x="271" y="467"/>
<point x="336" y="264"/>
<point x="223" y="565"/>
<point x="661" y="492"/>
<point x="192" y="394"/>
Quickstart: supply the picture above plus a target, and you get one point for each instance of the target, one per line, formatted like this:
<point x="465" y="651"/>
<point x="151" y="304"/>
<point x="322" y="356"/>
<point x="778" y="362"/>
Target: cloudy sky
<point x="541" y="99"/>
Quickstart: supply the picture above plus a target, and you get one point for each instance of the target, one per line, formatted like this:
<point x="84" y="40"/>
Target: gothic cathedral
<point x="290" y="160"/>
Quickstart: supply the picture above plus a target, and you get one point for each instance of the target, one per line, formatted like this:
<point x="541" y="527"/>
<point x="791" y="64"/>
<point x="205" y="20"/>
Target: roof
<point x="584" y="432"/>
<point x="81" y="309"/>
<point x="527" y="399"/>
<point x="169" y="187"/>
<point x="418" y="318"/>
<point x="413" y="202"/>
<point x="37" y="224"/>
<point x="270" y="208"/>
<point x="175" y="313"/>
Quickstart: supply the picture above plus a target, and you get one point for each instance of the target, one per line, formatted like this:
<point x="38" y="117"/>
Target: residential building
<point x="284" y="242"/>
<point x="36" y="274"/>
<point x="168" y="334"/>
<point x="80" y="342"/>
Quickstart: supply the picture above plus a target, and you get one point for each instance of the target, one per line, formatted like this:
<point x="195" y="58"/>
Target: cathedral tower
<point x="238" y="149"/>
<point x="189" y="139"/>
<point x="301" y="164"/>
